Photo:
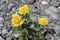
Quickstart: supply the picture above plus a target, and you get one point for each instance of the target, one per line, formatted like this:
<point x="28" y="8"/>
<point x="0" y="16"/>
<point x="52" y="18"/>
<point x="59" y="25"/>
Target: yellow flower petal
<point x="43" y="21"/>
<point x="24" y="10"/>
<point x="15" y="15"/>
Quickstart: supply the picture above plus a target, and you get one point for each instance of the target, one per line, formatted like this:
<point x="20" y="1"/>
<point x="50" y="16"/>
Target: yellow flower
<point x="24" y="10"/>
<point x="16" y="20"/>
<point x="43" y="21"/>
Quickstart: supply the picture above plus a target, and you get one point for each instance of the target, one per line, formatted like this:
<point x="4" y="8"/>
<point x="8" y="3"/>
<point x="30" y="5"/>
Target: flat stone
<point x="54" y="16"/>
<point x="52" y="38"/>
<point x="44" y="2"/>
<point x="0" y="9"/>
<point x="1" y="3"/>
<point x="47" y="1"/>
<point x="1" y="20"/>
<point x="4" y="31"/>
<point x="57" y="29"/>
<point x="58" y="38"/>
<point x="9" y="33"/>
<point x="1" y="38"/>
<point x="17" y="35"/>
<point x="11" y="5"/>
<point x="8" y="38"/>
<point x="59" y="7"/>
<point x="54" y="3"/>
<point x="30" y="1"/>
<point x="0" y="31"/>
<point x="18" y="1"/>
<point x="14" y="9"/>
<point x="1" y="25"/>
<point x="4" y="7"/>
<point x="2" y="13"/>
<point x="47" y="11"/>
<point x="53" y="9"/>
<point x="48" y="36"/>
<point x="34" y="17"/>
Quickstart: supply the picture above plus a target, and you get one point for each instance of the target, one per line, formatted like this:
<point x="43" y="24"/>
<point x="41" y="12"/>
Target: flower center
<point x="43" y="21"/>
<point x="17" y="21"/>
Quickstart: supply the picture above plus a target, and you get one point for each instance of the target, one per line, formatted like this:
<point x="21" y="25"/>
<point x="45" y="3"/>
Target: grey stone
<point x="51" y="25"/>
<point x="49" y="36"/>
<point x="57" y="37"/>
<point x="4" y="7"/>
<point x="2" y="13"/>
<point x="8" y="38"/>
<point x="1" y="20"/>
<point x="59" y="7"/>
<point x="4" y="31"/>
<point x="9" y="33"/>
<point x="3" y="0"/>
<point x="17" y="35"/>
<point x="48" y="12"/>
<point x="14" y="9"/>
<point x="54" y="3"/>
<point x="54" y="16"/>
<point x="18" y="1"/>
<point x="1" y="3"/>
<point x="0" y="9"/>
<point x="34" y="17"/>
<point x="44" y="2"/>
<point x="0" y="31"/>
<point x="1" y="26"/>
<point x="30" y="1"/>
<point x="11" y="5"/>
<point x="7" y="1"/>
<point x="57" y="29"/>
<point x="53" y="9"/>
<point x="11" y="12"/>
<point x="1" y="38"/>
<point x="41" y="7"/>
<point x="47" y="1"/>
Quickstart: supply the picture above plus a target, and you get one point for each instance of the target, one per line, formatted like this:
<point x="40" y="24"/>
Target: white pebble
<point x="59" y="7"/>
<point x="44" y="2"/>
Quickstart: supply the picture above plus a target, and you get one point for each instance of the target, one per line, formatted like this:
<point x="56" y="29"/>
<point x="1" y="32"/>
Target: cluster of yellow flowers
<point x="17" y="20"/>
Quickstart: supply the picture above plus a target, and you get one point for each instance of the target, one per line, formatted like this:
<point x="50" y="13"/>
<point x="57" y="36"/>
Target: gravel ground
<point x="47" y="8"/>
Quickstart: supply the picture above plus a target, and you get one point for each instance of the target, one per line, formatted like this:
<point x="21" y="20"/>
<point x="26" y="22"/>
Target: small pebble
<point x="59" y="7"/>
<point x="44" y="2"/>
<point x="17" y="35"/>
<point x="1" y="38"/>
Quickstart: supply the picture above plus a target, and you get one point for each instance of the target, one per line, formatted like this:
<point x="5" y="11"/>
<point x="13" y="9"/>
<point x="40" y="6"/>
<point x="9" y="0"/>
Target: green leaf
<point x="25" y="33"/>
<point x="41" y="36"/>
<point x="21" y="38"/>
<point x="26" y="37"/>
<point x="30" y="10"/>
<point x="35" y="38"/>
